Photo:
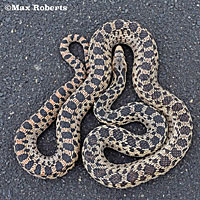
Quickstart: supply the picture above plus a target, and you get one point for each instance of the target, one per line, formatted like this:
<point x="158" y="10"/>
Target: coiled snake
<point x="71" y="102"/>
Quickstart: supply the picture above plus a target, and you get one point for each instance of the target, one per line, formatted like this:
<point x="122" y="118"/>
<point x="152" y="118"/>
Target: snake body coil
<point x="25" y="146"/>
<point x="74" y="107"/>
<point x="145" y="68"/>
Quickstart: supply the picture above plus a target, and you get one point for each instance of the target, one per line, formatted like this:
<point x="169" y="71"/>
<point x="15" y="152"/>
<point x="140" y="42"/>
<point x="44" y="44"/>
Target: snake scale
<point x="167" y="119"/>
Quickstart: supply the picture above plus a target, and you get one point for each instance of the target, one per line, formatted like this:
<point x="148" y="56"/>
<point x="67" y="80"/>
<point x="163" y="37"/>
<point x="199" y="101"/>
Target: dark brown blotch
<point x="104" y="132"/>
<point x="89" y="157"/>
<point x="177" y="107"/>
<point x="131" y="141"/>
<point x="165" y="161"/>
<point x="176" y="153"/>
<point x="148" y="87"/>
<point x="99" y="172"/>
<point x="185" y="130"/>
<point x="143" y="34"/>
<point x="156" y="95"/>
<point x="149" y="169"/>
<point x="92" y="140"/>
<point x="132" y="176"/>
<point x="118" y="135"/>
<point x="99" y="38"/>
<point x="107" y="28"/>
<point x="133" y="26"/>
<point x="182" y="142"/>
<point x="167" y="100"/>
<point x="115" y="178"/>
<point x="184" y="117"/>
<point x="119" y="24"/>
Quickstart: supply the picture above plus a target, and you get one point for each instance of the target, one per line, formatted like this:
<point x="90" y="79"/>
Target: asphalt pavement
<point x="31" y="68"/>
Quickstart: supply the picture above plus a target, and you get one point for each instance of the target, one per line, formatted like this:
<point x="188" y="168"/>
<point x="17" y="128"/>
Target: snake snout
<point x="119" y="48"/>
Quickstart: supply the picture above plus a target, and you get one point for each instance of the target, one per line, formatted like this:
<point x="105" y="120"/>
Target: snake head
<point x="119" y="63"/>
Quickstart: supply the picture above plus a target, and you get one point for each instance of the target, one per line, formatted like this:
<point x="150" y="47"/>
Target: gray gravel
<point x="31" y="68"/>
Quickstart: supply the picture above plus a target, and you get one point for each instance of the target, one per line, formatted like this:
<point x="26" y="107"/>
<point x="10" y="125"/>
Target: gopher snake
<point x="75" y="98"/>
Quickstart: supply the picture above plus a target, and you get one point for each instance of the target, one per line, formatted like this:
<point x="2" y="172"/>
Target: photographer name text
<point x="34" y="7"/>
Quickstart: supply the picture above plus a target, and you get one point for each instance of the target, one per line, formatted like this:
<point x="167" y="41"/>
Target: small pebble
<point x="126" y="10"/>
<point x="198" y="22"/>
<point x="7" y="19"/>
<point x="37" y="67"/>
